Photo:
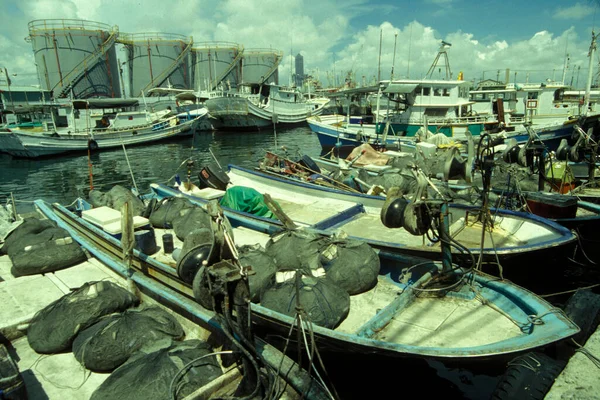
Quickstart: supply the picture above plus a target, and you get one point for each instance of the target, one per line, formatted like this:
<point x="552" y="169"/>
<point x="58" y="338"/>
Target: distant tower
<point x="299" y="70"/>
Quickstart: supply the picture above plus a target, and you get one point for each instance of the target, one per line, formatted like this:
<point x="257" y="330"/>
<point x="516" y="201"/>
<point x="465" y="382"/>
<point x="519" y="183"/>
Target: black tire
<point x="583" y="308"/>
<point x="529" y="377"/>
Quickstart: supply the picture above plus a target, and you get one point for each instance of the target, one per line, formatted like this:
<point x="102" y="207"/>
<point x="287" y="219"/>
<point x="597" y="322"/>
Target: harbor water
<point x="64" y="178"/>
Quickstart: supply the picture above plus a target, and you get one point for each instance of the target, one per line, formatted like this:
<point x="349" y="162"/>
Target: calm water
<point x="65" y="178"/>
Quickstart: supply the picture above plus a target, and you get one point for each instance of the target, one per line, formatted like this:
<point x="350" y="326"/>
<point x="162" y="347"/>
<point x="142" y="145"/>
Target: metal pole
<point x="446" y="249"/>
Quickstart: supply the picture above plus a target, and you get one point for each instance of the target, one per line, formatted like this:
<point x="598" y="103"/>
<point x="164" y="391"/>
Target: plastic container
<point x="167" y="240"/>
<point x="146" y="241"/>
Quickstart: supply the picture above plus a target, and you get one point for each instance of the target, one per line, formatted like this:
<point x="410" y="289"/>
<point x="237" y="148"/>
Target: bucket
<point x="145" y="241"/>
<point x="167" y="240"/>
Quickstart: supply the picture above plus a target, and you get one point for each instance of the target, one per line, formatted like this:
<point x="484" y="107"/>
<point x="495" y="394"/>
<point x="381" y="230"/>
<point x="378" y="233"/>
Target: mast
<point x="588" y="86"/>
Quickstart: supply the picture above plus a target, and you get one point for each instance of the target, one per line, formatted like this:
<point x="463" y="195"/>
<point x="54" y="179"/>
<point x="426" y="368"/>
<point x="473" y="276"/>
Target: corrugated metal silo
<point x="76" y="57"/>
<point x="260" y="65"/>
<point x="216" y="62"/>
<point x="157" y="60"/>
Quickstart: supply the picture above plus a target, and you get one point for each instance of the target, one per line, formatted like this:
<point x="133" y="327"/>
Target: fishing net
<point x="109" y="343"/>
<point x="190" y="219"/>
<point x="325" y="303"/>
<point x="165" y="211"/>
<point x="295" y="249"/>
<point x="351" y="264"/>
<point x="54" y="327"/>
<point x="115" y="198"/>
<point x="29" y="226"/>
<point x="264" y="268"/>
<point x="155" y="375"/>
<point x="37" y="247"/>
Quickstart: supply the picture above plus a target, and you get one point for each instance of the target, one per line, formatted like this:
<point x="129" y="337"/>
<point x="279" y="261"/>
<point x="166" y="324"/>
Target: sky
<point x="338" y="38"/>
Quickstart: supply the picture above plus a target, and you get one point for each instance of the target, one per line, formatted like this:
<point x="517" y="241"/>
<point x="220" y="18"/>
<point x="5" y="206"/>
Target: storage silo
<point x="76" y="57"/>
<point x="261" y="65"/>
<point x="216" y="62"/>
<point x="156" y="60"/>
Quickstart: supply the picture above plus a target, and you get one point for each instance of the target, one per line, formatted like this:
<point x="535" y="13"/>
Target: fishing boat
<point x="279" y="375"/>
<point x="96" y="124"/>
<point x="258" y="106"/>
<point x="515" y="237"/>
<point x="478" y="318"/>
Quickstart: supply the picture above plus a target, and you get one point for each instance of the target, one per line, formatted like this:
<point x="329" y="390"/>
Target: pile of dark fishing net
<point x="39" y="246"/>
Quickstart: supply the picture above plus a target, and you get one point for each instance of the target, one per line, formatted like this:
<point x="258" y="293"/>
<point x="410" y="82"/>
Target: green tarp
<point x="246" y="199"/>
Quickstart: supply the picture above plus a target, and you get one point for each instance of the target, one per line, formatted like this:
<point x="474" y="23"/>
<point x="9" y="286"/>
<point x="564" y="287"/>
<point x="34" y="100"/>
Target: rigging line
<point x="312" y="353"/>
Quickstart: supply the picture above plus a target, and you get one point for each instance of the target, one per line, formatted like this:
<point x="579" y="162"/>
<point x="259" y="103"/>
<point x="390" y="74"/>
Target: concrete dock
<point x="55" y="376"/>
<point x="580" y="379"/>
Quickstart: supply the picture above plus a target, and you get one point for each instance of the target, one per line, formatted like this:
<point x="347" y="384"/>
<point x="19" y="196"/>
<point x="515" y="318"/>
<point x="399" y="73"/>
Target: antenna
<point x="441" y="53"/>
<point x="379" y="66"/>
<point x="394" y="59"/>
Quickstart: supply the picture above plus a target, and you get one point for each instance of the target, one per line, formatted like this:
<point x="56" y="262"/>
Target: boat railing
<point x="476" y="119"/>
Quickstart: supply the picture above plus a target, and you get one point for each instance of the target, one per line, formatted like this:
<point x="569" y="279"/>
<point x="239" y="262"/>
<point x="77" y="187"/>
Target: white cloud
<point x="322" y="30"/>
<point x="577" y="11"/>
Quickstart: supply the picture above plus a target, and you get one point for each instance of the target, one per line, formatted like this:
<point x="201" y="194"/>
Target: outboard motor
<point x="213" y="176"/>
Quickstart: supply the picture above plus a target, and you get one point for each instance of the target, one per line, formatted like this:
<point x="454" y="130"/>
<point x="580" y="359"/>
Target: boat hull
<point x="32" y="145"/>
<point x="518" y="305"/>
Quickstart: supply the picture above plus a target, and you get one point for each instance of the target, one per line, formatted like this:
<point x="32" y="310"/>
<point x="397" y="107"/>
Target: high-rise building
<point x="299" y="75"/>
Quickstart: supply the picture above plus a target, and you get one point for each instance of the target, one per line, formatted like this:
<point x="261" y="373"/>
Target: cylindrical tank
<point x="260" y="65"/>
<point x="156" y="60"/>
<point x="76" y="57"/>
<point x="216" y="62"/>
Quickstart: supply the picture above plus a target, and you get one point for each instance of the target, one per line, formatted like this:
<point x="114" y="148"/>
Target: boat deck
<point x="307" y="209"/>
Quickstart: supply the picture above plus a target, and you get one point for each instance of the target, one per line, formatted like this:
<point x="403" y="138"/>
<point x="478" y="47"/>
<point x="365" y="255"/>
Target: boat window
<point x="437" y="92"/>
<point x="532" y="95"/>
<point x="435" y="112"/>
<point x="446" y="92"/>
<point x="478" y="97"/>
<point x="426" y="91"/>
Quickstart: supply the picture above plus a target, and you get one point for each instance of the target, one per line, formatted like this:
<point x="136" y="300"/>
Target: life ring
<point x="92" y="145"/>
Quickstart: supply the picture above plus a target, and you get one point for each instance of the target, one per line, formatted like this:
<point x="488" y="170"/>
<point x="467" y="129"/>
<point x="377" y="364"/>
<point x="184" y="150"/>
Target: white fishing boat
<point x="258" y="106"/>
<point x="94" y="124"/>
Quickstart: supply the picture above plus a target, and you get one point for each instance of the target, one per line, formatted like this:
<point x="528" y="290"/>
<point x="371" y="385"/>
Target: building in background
<point x="299" y="75"/>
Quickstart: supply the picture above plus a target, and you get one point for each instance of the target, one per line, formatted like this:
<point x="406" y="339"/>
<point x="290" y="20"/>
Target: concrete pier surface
<point x="580" y="380"/>
<point x="55" y="376"/>
<point x="46" y="376"/>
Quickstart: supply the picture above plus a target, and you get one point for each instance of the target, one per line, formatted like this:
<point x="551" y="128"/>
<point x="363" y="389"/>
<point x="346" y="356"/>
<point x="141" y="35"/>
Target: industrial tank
<point x="261" y="65"/>
<point x="76" y="57"/>
<point x="216" y="62"/>
<point x="156" y="60"/>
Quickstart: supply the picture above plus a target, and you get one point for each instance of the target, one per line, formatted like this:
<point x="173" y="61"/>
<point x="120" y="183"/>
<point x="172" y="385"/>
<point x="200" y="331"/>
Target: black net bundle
<point x="295" y="249"/>
<point x="109" y="343"/>
<point x="263" y="266"/>
<point x="165" y="211"/>
<point x="190" y="220"/>
<point x="40" y="246"/>
<point x="54" y="327"/>
<point x="325" y="303"/>
<point x="30" y="226"/>
<point x="353" y="265"/>
<point x="115" y="198"/>
<point x="156" y="375"/>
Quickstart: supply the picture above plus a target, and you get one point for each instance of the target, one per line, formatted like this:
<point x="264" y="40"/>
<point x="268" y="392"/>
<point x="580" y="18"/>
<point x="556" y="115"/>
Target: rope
<point x="580" y="349"/>
<point x="569" y="291"/>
